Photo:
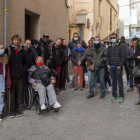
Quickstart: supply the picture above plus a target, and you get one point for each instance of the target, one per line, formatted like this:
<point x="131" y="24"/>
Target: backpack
<point x="9" y="52"/>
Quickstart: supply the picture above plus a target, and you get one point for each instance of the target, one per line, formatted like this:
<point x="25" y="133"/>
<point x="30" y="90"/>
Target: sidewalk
<point x="78" y="119"/>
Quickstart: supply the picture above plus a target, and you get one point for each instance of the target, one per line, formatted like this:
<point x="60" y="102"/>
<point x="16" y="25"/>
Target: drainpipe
<point x="5" y="23"/>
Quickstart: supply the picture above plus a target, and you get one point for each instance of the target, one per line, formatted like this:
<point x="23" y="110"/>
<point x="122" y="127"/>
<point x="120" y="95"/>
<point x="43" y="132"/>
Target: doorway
<point x="27" y="27"/>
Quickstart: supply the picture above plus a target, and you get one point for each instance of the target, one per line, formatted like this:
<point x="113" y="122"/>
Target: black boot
<point x="90" y="96"/>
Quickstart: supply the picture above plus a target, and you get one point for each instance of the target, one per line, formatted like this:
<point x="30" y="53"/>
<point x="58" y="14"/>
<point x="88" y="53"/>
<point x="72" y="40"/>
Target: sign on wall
<point x="133" y="16"/>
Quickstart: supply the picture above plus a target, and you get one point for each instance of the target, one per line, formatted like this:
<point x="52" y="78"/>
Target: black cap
<point x="45" y="35"/>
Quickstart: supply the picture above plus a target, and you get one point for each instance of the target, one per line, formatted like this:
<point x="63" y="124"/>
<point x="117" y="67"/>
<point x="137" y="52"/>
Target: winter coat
<point x="76" y="56"/>
<point x="118" y="55"/>
<point x="6" y="72"/>
<point x="72" y="44"/>
<point x="67" y="54"/>
<point x="45" y="50"/>
<point x="137" y="63"/>
<point x="30" y="57"/>
<point x="34" y="76"/>
<point x="100" y="61"/>
<point x="130" y="52"/>
<point x="37" y="50"/>
<point x="17" y="62"/>
<point x="58" y="56"/>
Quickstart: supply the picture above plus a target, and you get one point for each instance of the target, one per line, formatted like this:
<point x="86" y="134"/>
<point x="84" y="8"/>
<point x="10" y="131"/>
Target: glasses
<point x="113" y="38"/>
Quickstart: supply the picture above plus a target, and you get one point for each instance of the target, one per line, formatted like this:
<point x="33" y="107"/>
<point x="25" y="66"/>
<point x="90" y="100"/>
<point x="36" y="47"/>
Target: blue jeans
<point x="1" y="102"/>
<point x="73" y="77"/>
<point x="116" y="74"/>
<point x="101" y="74"/>
<point x="89" y="75"/>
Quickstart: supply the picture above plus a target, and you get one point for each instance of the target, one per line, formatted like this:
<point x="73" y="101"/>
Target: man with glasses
<point x="116" y="58"/>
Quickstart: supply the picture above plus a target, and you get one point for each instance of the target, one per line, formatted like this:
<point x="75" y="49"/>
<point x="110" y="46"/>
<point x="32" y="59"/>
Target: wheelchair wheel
<point x="28" y="97"/>
<point x="56" y="109"/>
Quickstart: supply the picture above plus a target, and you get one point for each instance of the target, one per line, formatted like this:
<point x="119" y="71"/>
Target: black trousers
<point x="63" y="77"/>
<point x="131" y="77"/>
<point x="127" y="71"/>
<point x="16" y="93"/>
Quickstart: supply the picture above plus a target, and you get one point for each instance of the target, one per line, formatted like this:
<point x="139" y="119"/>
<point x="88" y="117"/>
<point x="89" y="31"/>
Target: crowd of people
<point x="44" y="64"/>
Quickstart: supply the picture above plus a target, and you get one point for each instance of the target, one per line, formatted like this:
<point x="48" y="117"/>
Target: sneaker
<point x="12" y="115"/>
<point x="121" y="99"/>
<point x="71" y="86"/>
<point x="110" y="89"/>
<point x="1" y="119"/>
<point x="43" y="107"/>
<point x="102" y="96"/>
<point x="57" y="105"/>
<point x="57" y="90"/>
<point x="85" y="86"/>
<point x="19" y="113"/>
<point x="112" y="99"/>
<point x="89" y="96"/>
<point x="130" y="89"/>
<point x="128" y="82"/>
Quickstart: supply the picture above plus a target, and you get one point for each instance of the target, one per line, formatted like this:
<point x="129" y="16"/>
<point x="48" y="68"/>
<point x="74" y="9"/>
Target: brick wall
<point x="51" y="19"/>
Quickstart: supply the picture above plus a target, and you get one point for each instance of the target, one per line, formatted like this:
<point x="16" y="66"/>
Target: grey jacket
<point x="33" y="74"/>
<point x="130" y="52"/>
<point x="101" y="59"/>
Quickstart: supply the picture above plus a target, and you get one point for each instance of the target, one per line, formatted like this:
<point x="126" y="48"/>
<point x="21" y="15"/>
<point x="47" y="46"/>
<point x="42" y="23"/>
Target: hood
<point x="118" y="43"/>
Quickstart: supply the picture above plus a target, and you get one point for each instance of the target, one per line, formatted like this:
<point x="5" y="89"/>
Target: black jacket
<point x="76" y="56"/>
<point x="58" y="56"/>
<point x="67" y="54"/>
<point x="137" y="63"/>
<point x="45" y="50"/>
<point x="118" y="55"/>
<point x="37" y="50"/>
<point x="130" y="52"/>
<point x="17" y="62"/>
<point x="72" y="44"/>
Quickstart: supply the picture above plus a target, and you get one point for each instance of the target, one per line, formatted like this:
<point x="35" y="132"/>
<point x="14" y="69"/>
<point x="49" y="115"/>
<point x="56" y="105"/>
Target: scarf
<point x="78" y="49"/>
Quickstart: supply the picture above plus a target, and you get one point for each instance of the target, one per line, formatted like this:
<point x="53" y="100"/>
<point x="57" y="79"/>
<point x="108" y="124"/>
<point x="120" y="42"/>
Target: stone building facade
<point x="92" y="18"/>
<point x="32" y="18"/>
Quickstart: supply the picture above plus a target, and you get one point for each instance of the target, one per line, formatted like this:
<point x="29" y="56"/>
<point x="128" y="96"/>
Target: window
<point x="110" y="19"/>
<point x="100" y="8"/>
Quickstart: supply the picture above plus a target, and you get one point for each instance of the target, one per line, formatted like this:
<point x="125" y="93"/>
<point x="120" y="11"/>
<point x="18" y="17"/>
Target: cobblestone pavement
<point x="78" y="119"/>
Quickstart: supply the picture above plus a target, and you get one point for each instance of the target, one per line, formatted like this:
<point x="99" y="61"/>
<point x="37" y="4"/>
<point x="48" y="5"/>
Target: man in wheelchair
<point x="41" y="79"/>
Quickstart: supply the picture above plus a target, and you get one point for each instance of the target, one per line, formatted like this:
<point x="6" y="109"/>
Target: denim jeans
<point x="116" y="74"/>
<point x="101" y="74"/>
<point x="1" y="102"/>
<point x="89" y="75"/>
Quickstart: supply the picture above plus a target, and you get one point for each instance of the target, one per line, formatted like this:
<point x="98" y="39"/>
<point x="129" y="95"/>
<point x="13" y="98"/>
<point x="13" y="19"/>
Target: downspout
<point x="66" y="2"/>
<point x="5" y="23"/>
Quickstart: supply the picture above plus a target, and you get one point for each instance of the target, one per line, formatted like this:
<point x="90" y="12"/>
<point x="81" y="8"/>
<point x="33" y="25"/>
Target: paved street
<point x="78" y="119"/>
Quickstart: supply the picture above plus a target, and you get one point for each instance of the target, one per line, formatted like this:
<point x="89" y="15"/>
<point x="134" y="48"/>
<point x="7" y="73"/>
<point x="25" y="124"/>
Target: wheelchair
<point x="31" y="98"/>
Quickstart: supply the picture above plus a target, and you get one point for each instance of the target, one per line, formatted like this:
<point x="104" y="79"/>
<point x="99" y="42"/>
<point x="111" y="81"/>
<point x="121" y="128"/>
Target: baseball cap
<point x="45" y="35"/>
